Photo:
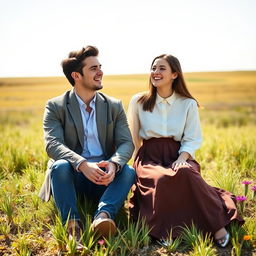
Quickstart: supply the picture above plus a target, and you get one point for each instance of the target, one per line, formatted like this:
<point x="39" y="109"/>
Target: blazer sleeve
<point x="54" y="136"/>
<point x="122" y="138"/>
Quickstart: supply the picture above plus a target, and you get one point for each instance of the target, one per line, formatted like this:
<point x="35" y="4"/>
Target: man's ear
<point x="75" y="75"/>
<point x="174" y="75"/>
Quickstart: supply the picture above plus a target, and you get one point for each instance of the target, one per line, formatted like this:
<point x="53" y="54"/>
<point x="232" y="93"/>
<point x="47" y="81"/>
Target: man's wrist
<point x="117" y="165"/>
<point x="80" y="164"/>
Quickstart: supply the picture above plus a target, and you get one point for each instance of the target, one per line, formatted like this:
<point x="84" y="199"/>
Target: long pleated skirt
<point x="169" y="200"/>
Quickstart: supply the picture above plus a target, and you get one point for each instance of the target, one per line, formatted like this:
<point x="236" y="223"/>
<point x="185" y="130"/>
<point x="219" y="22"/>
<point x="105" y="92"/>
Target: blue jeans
<point x="66" y="183"/>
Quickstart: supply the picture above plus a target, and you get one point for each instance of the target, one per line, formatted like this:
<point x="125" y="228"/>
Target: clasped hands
<point x="94" y="173"/>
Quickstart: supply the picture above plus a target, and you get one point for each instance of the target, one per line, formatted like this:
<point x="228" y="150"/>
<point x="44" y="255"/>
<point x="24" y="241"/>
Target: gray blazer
<point x="64" y="138"/>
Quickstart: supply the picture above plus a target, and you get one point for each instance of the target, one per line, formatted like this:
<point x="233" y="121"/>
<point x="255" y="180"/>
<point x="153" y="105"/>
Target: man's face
<point x="92" y="74"/>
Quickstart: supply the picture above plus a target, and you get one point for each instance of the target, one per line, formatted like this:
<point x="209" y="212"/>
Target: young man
<point x="89" y="143"/>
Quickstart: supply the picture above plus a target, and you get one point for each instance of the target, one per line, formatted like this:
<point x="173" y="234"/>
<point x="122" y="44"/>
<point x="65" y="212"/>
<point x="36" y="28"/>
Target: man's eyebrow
<point x="95" y="66"/>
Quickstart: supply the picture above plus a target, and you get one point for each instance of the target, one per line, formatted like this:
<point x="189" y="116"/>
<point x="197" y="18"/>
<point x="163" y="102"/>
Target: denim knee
<point x="128" y="173"/>
<point x="62" y="170"/>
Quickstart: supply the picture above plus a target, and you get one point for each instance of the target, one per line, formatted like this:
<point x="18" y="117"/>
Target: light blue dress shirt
<point x="91" y="148"/>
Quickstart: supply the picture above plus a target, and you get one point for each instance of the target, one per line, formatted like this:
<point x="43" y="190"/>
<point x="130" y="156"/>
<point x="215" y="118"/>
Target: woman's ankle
<point x="220" y="233"/>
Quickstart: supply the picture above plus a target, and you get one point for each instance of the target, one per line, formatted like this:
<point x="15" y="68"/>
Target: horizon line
<point x="132" y="74"/>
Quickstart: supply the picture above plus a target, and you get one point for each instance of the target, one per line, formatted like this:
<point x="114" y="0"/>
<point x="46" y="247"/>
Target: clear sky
<point x="205" y="35"/>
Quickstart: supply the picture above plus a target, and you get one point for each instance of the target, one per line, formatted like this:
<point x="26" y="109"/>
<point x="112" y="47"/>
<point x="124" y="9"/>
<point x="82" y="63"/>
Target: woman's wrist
<point x="184" y="156"/>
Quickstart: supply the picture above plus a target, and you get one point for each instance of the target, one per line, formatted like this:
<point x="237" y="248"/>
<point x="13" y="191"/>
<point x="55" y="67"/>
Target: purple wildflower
<point x="241" y="198"/>
<point x="246" y="182"/>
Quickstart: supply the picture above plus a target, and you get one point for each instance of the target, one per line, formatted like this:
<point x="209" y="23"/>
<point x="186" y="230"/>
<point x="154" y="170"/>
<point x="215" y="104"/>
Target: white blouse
<point x="175" y="117"/>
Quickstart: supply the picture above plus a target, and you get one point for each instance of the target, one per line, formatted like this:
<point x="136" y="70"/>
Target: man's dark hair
<point x="75" y="61"/>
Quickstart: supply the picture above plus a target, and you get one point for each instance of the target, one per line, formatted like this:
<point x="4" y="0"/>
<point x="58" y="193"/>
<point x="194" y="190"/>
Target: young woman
<point x="170" y="191"/>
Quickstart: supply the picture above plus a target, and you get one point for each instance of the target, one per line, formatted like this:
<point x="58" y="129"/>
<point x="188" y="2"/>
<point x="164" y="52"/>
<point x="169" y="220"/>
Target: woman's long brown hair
<point x="148" y="100"/>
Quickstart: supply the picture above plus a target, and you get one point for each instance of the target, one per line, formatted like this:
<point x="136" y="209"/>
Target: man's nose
<point x="100" y="72"/>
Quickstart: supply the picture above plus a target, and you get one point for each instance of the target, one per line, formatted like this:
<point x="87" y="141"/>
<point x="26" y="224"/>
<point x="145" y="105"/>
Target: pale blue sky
<point x="205" y="35"/>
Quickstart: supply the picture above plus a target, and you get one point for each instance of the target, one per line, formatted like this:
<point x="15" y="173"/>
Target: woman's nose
<point x="156" y="71"/>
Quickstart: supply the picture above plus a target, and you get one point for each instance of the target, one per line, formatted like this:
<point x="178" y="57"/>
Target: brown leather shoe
<point x="75" y="232"/>
<point x="104" y="227"/>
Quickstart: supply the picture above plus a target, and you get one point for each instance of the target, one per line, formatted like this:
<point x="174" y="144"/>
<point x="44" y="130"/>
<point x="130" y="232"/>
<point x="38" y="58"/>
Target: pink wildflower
<point x="101" y="242"/>
<point x="241" y="198"/>
<point x="246" y="182"/>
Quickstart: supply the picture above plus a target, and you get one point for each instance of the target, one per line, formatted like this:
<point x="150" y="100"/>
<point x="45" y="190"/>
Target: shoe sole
<point x="105" y="228"/>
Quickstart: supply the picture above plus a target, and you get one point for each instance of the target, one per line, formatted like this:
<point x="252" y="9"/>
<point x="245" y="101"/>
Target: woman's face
<point x="161" y="73"/>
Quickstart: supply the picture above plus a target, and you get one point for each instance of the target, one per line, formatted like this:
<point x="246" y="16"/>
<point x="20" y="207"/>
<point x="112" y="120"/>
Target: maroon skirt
<point x="170" y="200"/>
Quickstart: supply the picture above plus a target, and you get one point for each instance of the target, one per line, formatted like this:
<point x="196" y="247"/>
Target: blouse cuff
<point x="188" y="150"/>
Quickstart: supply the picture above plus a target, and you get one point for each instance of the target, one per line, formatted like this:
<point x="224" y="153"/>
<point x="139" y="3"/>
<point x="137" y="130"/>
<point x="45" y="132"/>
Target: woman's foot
<point x="222" y="237"/>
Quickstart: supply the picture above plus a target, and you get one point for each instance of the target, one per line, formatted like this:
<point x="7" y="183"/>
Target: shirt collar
<point x="169" y="100"/>
<point x="82" y="104"/>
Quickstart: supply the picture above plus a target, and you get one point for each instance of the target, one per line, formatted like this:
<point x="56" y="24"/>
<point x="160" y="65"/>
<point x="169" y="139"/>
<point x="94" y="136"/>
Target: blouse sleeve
<point x="134" y="123"/>
<point x="192" y="136"/>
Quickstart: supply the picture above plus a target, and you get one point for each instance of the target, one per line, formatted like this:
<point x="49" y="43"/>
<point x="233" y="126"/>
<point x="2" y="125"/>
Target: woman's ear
<point x="174" y="75"/>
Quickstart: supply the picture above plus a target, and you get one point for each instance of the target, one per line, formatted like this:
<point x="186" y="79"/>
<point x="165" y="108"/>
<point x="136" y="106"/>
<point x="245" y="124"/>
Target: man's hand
<point x="110" y="172"/>
<point x="92" y="172"/>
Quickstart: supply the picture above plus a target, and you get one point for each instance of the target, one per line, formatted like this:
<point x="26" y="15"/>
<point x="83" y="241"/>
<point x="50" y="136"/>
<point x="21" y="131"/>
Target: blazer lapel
<point x="101" y="119"/>
<point x="75" y="113"/>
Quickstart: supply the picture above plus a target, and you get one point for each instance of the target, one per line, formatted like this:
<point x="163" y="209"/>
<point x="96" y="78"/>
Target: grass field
<point x="227" y="157"/>
<point x="214" y="89"/>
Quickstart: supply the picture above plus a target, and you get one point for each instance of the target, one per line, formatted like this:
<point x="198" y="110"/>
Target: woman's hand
<point x="181" y="161"/>
<point x="180" y="164"/>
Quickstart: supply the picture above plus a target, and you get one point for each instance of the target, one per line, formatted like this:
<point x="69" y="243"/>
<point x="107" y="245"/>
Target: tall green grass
<point x="227" y="157"/>
<point x="22" y="145"/>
